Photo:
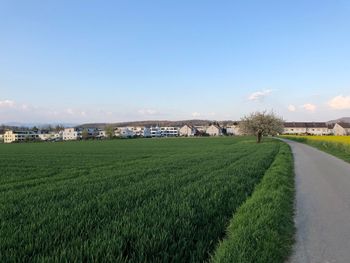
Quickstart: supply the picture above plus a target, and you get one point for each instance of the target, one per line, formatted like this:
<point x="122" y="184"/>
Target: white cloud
<point x="24" y="107"/>
<point x="147" y="111"/>
<point x="24" y="112"/>
<point x="259" y="95"/>
<point x="73" y="113"/>
<point x="292" y="108"/>
<point x="69" y="111"/>
<point x="309" y="107"/>
<point x="196" y="114"/>
<point x="7" y="103"/>
<point x="340" y="102"/>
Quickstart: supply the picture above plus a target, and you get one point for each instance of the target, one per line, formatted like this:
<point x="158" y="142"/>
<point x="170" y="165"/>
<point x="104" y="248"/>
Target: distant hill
<point x="150" y="123"/>
<point x="344" y="119"/>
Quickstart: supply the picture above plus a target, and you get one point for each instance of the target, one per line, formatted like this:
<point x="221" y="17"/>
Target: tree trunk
<point x="258" y="137"/>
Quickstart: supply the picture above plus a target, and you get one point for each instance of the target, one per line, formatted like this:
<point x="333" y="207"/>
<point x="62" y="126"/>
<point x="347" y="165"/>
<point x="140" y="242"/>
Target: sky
<point x="110" y="61"/>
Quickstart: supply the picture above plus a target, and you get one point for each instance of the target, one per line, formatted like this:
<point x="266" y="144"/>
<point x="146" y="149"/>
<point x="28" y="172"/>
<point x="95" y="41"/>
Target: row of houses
<point x="292" y="128"/>
<point x="70" y="134"/>
<point x="186" y="130"/>
<point x="42" y="135"/>
<point x="27" y="135"/>
<point x="316" y="128"/>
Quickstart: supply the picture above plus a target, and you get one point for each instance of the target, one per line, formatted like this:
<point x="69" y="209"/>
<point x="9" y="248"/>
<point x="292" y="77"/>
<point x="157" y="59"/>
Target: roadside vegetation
<point x="338" y="146"/>
<point x="143" y="200"/>
<point x="262" y="229"/>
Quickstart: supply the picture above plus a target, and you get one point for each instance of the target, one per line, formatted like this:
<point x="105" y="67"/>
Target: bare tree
<point x="261" y="124"/>
<point x="59" y="128"/>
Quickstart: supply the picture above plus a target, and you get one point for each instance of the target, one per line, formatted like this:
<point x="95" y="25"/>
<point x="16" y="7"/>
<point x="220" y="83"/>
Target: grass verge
<point x="262" y="230"/>
<point x="338" y="149"/>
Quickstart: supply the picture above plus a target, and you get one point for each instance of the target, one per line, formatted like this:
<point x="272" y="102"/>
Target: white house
<point x="187" y="130"/>
<point x="146" y="132"/>
<point x="156" y="131"/>
<point x="140" y="131"/>
<point x="169" y="131"/>
<point x="57" y="135"/>
<point x="312" y="128"/>
<point x="70" y="134"/>
<point x="233" y="129"/>
<point x="50" y="135"/>
<point x="318" y="128"/>
<point x="295" y="128"/>
<point x="124" y="132"/>
<point x="18" y="136"/>
<point x="92" y="132"/>
<point x="44" y="135"/>
<point x="341" y="129"/>
<point x="214" y="130"/>
<point x="101" y="134"/>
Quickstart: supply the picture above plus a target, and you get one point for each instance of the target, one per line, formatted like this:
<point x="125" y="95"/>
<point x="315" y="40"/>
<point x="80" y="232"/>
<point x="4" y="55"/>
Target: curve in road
<point x="322" y="206"/>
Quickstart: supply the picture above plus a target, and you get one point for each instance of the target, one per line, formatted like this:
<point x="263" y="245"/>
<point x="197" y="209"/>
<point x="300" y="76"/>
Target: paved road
<point x="322" y="207"/>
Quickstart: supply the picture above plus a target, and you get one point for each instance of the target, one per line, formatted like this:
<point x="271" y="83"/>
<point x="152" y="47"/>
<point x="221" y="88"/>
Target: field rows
<point x="336" y="139"/>
<point x="134" y="201"/>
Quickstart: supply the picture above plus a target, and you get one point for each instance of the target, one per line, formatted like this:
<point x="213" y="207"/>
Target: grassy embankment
<point x="338" y="146"/>
<point x="145" y="200"/>
<point x="262" y="229"/>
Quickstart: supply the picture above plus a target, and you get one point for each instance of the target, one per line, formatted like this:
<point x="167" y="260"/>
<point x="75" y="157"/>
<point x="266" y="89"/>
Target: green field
<point x="338" y="146"/>
<point x="142" y="200"/>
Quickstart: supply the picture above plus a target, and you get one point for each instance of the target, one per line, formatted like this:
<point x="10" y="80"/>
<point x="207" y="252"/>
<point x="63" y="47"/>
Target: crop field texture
<point x="144" y="200"/>
<point x="336" y="145"/>
<point x="336" y="139"/>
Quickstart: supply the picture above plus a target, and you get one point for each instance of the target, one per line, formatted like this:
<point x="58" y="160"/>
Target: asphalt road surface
<point x="322" y="207"/>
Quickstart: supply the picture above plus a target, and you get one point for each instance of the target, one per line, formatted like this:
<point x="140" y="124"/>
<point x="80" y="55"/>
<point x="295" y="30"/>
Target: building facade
<point x="341" y="129"/>
<point x="233" y="129"/>
<point x="71" y="134"/>
<point x="50" y="135"/>
<point x="169" y="131"/>
<point x="156" y="132"/>
<point x="187" y="130"/>
<point x="101" y="134"/>
<point x="124" y="132"/>
<point x="20" y="136"/>
<point x="140" y="131"/>
<point x="311" y="128"/>
<point x="214" y="130"/>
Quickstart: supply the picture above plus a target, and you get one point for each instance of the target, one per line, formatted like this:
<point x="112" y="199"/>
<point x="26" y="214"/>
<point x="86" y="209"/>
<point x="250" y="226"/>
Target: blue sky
<point x="109" y="61"/>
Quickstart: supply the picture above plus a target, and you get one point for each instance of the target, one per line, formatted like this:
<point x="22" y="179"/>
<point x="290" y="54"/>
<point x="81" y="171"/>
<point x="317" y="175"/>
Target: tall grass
<point x="126" y="200"/>
<point x="262" y="228"/>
